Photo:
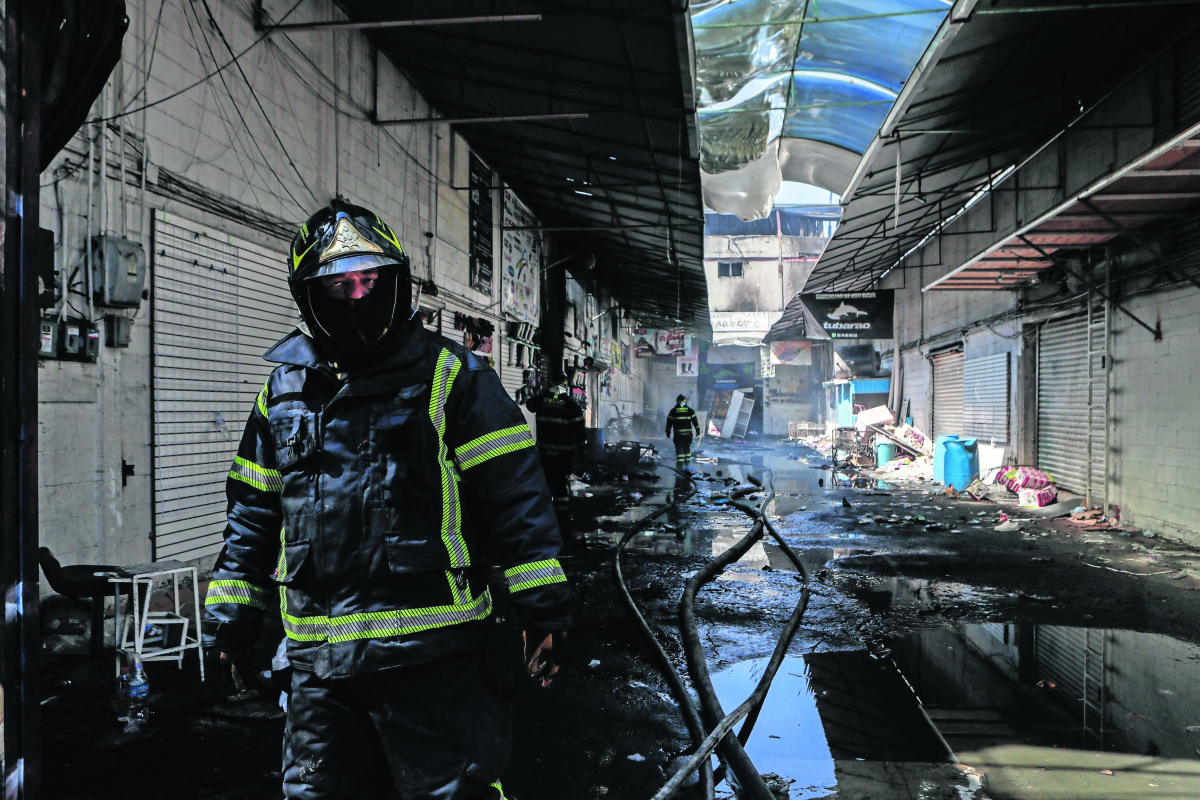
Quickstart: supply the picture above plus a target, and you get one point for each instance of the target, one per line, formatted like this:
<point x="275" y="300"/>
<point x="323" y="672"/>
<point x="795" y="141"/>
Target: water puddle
<point x="788" y="738"/>
<point x="1034" y="711"/>
<point x="993" y="684"/>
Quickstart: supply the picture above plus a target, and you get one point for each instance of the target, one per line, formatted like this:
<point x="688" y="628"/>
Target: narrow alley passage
<point x="600" y="400"/>
<point x="937" y="654"/>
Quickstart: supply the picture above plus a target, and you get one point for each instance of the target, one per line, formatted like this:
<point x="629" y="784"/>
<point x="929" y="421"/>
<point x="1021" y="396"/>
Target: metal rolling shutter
<point x="985" y="397"/>
<point x="948" y="392"/>
<point x="218" y="303"/>
<point x="1063" y="384"/>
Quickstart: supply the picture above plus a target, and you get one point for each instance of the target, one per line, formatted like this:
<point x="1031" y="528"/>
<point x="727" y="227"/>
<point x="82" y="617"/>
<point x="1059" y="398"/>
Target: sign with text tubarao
<point x="853" y="315"/>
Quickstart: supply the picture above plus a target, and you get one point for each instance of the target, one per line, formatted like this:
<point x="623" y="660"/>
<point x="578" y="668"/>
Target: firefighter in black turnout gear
<point x="381" y="469"/>
<point x="560" y="430"/>
<point x="681" y="421"/>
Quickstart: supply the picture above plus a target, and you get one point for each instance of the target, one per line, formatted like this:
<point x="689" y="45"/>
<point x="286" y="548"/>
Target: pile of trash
<point x="908" y="468"/>
<point x="1091" y="519"/>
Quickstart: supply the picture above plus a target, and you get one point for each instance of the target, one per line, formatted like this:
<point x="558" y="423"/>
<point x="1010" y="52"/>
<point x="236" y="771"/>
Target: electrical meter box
<point x="78" y="340"/>
<point x="48" y="336"/>
<point x="118" y="271"/>
<point x="71" y="338"/>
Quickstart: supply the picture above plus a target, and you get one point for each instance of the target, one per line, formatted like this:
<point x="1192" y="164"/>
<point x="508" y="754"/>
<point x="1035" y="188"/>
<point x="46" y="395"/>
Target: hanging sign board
<point x="853" y="315"/>
<point x="670" y="342"/>
<point x="479" y="240"/>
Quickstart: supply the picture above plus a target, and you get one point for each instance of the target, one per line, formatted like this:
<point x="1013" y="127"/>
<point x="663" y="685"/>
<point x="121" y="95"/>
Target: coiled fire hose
<point x="732" y="752"/>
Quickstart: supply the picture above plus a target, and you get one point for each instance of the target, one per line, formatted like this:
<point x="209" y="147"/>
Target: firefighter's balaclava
<point x="349" y="277"/>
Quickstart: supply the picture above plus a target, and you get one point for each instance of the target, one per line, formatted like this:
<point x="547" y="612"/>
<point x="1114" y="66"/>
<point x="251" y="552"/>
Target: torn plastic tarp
<point x="789" y="90"/>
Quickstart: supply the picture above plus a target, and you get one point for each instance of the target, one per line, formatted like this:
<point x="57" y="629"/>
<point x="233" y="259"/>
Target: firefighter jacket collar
<point x="297" y="349"/>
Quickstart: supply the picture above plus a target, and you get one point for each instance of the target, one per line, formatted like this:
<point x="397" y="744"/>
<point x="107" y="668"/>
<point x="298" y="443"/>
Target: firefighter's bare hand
<point x="539" y="655"/>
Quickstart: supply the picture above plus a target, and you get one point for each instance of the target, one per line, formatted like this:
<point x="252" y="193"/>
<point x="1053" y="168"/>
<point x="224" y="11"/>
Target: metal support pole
<point x="18" y="400"/>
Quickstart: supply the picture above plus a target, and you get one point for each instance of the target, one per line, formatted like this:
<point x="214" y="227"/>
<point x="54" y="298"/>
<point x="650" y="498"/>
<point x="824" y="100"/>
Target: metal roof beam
<point x="366" y="24"/>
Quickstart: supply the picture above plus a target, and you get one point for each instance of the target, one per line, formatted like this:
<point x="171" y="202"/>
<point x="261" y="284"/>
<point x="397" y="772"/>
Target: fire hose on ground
<point x="730" y="749"/>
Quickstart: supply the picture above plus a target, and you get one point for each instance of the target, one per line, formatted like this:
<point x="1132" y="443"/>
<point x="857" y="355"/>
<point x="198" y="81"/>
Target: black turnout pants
<point x="557" y="467"/>
<point x="437" y="730"/>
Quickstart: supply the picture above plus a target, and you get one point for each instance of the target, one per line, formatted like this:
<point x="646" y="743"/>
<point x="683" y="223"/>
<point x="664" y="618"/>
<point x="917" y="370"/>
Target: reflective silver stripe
<point x="385" y="624"/>
<point x="443" y="383"/>
<point x="261" y="478"/>
<point x="491" y="445"/>
<point x="242" y="593"/>
<point x="536" y="573"/>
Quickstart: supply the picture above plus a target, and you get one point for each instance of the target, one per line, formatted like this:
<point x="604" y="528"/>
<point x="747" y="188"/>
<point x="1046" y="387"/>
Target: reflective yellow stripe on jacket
<point x="242" y="593"/>
<point x="443" y="382"/>
<point x="536" y="573"/>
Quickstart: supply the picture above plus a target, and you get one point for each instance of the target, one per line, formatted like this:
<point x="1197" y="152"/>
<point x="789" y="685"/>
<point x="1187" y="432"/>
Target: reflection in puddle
<point x="1044" y="711"/>
<point x="1089" y="689"/>
<point x="788" y="738"/>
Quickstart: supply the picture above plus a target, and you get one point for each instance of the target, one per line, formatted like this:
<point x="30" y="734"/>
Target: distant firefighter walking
<point x="681" y="422"/>
<point x="560" y="432"/>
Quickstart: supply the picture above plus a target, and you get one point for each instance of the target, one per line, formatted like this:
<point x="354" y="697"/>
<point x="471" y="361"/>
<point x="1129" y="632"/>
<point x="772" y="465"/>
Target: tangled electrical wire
<point x="709" y="725"/>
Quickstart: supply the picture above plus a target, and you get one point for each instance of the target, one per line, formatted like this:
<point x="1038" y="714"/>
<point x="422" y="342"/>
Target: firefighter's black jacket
<point x="560" y="422"/>
<point x="373" y="503"/>
<point x="681" y="421"/>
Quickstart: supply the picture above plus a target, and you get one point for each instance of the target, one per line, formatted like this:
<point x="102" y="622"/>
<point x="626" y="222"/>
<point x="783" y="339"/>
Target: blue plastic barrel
<point x="884" y="452"/>
<point x="962" y="462"/>
<point x="939" y="456"/>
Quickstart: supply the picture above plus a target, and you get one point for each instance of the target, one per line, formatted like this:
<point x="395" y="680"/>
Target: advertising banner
<point x="520" y="262"/>
<point x="670" y="342"/>
<point x="480" y="224"/>
<point x="852" y="315"/>
<point x="791" y="354"/>
<point x="645" y="342"/>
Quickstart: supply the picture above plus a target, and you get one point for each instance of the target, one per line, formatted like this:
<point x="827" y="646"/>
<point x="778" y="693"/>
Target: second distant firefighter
<point x="681" y="423"/>
<point x="560" y="429"/>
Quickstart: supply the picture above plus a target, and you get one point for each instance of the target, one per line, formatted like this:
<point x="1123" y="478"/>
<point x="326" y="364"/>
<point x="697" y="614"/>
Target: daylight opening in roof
<point x="792" y="91"/>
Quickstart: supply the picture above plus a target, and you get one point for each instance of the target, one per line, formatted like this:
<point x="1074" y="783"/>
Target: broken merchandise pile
<point x="1036" y="489"/>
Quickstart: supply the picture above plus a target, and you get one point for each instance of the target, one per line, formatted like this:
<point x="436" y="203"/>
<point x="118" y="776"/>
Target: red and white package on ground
<point x="1038" y="498"/>
<point x="1030" y="478"/>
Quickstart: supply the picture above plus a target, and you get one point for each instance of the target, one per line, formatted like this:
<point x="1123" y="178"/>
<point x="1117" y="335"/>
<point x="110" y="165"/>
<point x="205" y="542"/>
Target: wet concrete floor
<point x="938" y="659"/>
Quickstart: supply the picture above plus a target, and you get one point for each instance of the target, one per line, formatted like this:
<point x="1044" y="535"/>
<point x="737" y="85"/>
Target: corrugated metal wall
<point x="947" y="392"/>
<point x="1063" y="383"/>
<point x="218" y="303"/>
<point x="986" y="397"/>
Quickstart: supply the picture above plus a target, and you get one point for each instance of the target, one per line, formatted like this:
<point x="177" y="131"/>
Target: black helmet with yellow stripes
<point x="349" y="277"/>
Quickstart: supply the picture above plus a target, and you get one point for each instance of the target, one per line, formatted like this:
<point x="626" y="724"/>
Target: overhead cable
<point x="196" y="83"/>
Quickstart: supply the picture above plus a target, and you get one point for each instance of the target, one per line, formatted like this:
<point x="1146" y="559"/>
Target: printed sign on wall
<point x="520" y="261"/>
<point x="479" y="234"/>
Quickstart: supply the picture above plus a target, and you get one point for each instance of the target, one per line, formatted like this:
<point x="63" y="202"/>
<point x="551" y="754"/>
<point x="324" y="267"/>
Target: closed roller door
<point x="218" y="304"/>
<point x="948" y="393"/>
<point x="1063" y="388"/>
<point x="985" y="397"/>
